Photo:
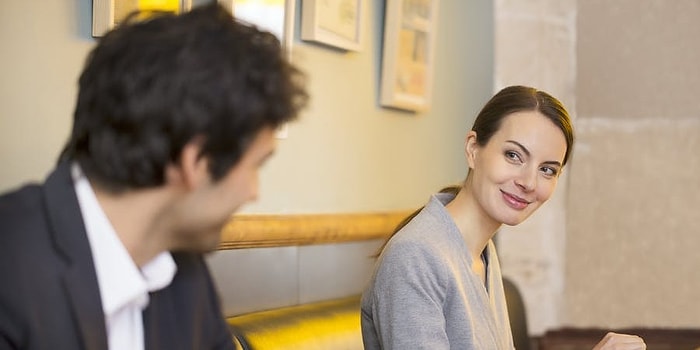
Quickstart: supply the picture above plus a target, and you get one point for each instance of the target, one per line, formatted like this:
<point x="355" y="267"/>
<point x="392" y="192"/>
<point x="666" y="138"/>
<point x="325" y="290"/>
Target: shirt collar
<point x="120" y="280"/>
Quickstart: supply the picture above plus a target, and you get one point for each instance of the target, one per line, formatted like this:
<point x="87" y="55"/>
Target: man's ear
<point x="192" y="169"/>
<point x="471" y="148"/>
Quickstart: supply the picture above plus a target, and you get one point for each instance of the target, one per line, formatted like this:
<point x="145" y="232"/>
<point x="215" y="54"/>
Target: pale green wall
<point x="345" y="153"/>
<point x="349" y="154"/>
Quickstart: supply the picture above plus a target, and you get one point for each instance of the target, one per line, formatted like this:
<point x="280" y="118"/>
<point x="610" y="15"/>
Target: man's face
<point x="210" y="204"/>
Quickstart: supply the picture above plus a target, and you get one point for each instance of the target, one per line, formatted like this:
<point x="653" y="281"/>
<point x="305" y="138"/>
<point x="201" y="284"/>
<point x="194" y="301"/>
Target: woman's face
<point x="517" y="170"/>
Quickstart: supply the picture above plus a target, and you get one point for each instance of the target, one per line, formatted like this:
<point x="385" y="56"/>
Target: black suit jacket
<point x="49" y="296"/>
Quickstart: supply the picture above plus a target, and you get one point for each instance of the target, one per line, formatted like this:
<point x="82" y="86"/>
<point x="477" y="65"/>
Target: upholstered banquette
<point x="333" y="324"/>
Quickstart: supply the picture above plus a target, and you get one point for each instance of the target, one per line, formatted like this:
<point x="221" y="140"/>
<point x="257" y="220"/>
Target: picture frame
<point x="106" y="14"/>
<point x="336" y="23"/>
<point x="408" y="55"/>
<point x="276" y="16"/>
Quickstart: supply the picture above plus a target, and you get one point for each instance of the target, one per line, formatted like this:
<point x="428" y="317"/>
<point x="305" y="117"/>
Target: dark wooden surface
<point x="585" y="339"/>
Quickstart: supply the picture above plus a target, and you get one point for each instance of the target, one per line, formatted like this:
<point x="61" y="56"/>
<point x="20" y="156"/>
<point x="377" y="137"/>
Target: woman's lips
<point x="514" y="201"/>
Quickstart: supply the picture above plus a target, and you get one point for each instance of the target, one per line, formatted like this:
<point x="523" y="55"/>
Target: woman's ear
<point x="471" y="148"/>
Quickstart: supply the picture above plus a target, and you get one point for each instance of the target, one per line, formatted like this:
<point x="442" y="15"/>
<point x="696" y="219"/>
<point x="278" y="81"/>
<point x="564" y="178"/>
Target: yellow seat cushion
<point x="333" y="324"/>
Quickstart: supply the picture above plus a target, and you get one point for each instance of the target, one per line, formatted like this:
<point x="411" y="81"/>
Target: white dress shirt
<point x="123" y="286"/>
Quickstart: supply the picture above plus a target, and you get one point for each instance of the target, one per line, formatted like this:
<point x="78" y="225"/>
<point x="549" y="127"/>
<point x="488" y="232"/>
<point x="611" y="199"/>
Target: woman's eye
<point x="549" y="171"/>
<point x="513" y="155"/>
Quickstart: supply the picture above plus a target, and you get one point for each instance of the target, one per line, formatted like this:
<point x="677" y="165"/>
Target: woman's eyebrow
<point x="522" y="148"/>
<point x="527" y="153"/>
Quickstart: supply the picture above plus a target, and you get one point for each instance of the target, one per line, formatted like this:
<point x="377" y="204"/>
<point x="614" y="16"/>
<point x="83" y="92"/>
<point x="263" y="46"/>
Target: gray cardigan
<point x="424" y="295"/>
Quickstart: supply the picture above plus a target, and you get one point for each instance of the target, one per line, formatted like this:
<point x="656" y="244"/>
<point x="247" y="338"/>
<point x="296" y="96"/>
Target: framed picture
<point x="106" y="14"/>
<point x="336" y="23"/>
<point x="276" y="16"/>
<point x="408" y="54"/>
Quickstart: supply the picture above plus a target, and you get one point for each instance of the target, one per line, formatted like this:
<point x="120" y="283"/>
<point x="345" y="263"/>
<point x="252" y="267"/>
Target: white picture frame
<point x="336" y="23"/>
<point x="275" y="16"/>
<point x="408" y="56"/>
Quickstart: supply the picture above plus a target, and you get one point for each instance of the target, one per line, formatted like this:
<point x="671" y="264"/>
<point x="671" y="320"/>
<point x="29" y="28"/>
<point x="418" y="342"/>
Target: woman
<point x="438" y="284"/>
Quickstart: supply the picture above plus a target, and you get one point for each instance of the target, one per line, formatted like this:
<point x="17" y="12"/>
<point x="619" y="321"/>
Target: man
<point x="174" y="117"/>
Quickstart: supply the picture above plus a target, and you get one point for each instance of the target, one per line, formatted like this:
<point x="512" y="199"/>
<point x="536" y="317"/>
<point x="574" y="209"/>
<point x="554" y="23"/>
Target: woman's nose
<point x="527" y="179"/>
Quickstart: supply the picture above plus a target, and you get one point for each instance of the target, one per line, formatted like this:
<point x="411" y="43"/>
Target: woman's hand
<point x="616" y="341"/>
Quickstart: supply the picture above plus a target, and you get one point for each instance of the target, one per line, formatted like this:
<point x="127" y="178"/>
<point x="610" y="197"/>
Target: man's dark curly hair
<point x="150" y="87"/>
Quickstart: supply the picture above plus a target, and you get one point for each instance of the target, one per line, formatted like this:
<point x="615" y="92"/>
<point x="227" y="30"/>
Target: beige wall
<point x="43" y="47"/>
<point x="618" y="245"/>
<point x="535" y="46"/>
<point x="633" y="246"/>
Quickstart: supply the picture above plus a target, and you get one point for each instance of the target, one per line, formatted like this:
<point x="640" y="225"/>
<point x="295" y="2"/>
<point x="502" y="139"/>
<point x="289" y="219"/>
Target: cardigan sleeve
<point x="407" y="300"/>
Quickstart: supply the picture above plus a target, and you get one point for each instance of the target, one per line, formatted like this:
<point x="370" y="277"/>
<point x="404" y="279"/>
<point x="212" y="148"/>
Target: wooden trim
<point x="256" y="230"/>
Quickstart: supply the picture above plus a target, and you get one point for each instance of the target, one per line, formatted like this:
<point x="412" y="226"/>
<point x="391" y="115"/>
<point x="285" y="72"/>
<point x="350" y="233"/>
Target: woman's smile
<point x="514" y="201"/>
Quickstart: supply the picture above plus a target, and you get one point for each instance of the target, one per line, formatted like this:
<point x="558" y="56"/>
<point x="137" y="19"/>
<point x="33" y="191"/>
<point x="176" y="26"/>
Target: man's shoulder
<point x="23" y="195"/>
<point x="26" y="259"/>
<point x="20" y="210"/>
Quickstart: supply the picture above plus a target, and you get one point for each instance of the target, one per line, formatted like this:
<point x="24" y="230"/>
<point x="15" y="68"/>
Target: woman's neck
<point x="476" y="227"/>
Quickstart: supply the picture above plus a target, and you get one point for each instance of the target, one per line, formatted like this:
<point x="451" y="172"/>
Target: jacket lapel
<point x="70" y="239"/>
